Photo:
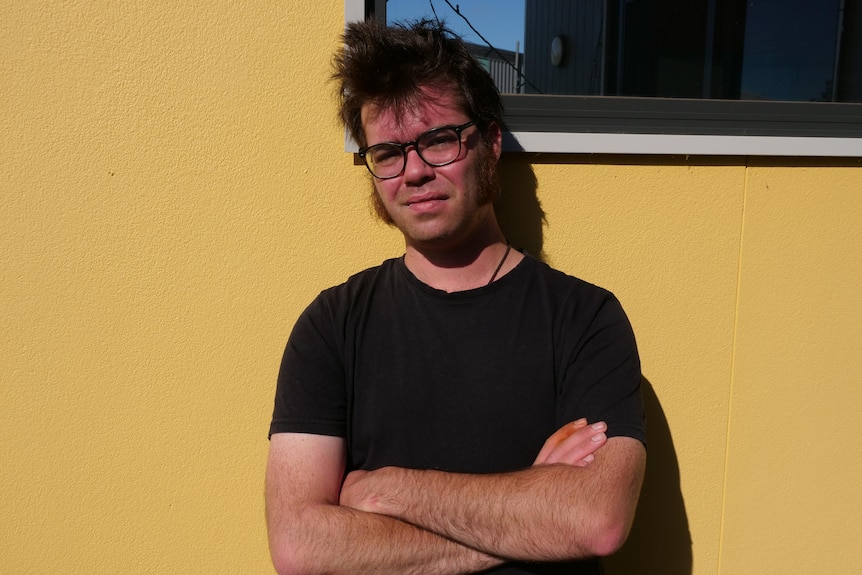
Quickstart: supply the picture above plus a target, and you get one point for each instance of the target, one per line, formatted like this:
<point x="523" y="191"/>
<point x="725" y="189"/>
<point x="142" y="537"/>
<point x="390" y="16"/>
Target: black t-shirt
<point x="471" y="381"/>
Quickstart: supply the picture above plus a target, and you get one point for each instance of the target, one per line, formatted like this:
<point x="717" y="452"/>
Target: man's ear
<point x="495" y="136"/>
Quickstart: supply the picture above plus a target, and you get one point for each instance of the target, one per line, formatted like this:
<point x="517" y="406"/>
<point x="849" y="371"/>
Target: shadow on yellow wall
<point x="660" y="541"/>
<point x="518" y="210"/>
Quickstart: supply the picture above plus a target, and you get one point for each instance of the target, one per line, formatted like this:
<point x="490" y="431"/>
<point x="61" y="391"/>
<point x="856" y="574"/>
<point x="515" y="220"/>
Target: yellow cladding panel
<point x="663" y="235"/>
<point x="174" y="190"/>
<point x="794" y="503"/>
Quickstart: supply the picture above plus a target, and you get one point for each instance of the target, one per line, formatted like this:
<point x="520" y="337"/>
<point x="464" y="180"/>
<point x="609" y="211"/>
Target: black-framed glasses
<point x="437" y="147"/>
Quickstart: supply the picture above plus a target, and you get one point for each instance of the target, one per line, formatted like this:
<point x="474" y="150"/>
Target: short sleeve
<point x="602" y="380"/>
<point x="310" y="395"/>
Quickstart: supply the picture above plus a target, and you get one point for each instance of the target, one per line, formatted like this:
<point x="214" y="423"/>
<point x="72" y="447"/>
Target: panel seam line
<point x="733" y="352"/>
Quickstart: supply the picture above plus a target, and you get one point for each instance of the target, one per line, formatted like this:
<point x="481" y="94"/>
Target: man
<point x="463" y="408"/>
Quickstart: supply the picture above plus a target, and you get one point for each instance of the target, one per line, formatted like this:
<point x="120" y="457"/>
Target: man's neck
<point x="467" y="266"/>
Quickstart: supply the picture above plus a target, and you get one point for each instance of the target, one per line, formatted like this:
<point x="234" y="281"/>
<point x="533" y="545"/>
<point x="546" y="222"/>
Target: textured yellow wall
<point x="793" y="495"/>
<point x="173" y="194"/>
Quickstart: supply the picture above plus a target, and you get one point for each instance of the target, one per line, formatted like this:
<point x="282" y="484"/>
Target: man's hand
<point x="356" y="492"/>
<point x="573" y="444"/>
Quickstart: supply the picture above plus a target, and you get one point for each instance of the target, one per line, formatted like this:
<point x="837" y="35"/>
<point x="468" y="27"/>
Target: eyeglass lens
<point x="436" y="147"/>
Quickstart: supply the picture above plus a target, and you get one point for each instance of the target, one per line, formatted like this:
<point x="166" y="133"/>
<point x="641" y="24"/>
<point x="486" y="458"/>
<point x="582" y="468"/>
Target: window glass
<point x="786" y="50"/>
<point x="791" y="50"/>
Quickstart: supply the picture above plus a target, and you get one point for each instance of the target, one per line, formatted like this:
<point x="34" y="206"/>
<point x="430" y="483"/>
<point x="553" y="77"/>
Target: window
<point x="734" y="77"/>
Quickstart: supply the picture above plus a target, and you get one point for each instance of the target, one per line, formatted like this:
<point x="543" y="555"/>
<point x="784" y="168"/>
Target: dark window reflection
<point x="790" y="50"/>
<point x="804" y="50"/>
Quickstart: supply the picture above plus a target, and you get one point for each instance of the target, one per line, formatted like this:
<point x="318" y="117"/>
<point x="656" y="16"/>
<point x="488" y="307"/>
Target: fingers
<point x="350" y="493"/>
<point x="578" y="448"/>
<point x="558" y="437"/>
<point x="573" y="444"/>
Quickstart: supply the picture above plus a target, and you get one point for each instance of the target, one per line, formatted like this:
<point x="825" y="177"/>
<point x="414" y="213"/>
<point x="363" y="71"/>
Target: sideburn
<point x="489" y="175"/>
<point x="377" y="205"/>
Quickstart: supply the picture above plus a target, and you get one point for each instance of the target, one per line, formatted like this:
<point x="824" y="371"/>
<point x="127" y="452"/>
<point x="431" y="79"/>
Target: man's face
<point x="434" y="206"/>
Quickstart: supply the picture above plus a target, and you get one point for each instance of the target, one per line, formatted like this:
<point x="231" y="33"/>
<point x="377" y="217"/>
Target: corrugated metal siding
<point x="505" y="76"/>
<point x="501" y="65"/>
<point x="579" y="22"/>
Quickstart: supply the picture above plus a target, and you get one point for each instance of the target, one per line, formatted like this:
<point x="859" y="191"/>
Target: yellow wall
<point x="173" y="194"/>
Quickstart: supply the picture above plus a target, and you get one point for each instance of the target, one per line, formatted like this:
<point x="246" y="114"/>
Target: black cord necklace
<point x="500" y="265"/>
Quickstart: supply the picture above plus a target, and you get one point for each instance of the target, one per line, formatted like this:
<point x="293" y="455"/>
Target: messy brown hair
<point x="389" y="65"/>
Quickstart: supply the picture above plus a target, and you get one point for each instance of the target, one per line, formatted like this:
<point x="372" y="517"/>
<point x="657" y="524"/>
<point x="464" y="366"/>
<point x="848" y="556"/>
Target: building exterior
<point x="176" y="190"/>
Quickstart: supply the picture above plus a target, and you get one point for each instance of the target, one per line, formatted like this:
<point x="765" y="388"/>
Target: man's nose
<point x="415" y="168"/>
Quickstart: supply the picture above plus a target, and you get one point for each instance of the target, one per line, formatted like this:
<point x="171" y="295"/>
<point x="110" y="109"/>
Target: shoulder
<point x="570" y="302"/>
<point x="362" y="282"/>
<point x="337" y="303"/>
<point x="564" y="287"/>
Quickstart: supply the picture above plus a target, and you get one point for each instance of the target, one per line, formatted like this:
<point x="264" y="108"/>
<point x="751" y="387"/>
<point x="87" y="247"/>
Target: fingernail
<point x="589" y="458"/>
<point x="598" y="437"/>
<point x="599" y="426"/>
<point x="581" y="421"/>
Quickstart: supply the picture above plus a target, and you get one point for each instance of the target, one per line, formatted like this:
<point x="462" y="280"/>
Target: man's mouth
<point x="425" y="200"/>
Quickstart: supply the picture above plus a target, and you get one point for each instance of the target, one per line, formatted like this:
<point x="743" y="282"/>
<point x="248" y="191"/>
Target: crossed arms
<point x="576" y="501"/>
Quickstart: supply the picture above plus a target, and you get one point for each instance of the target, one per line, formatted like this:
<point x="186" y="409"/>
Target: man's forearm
<point x="544" y="513"/>
<point x="309" y="532"/>
<point x="333" y="539"/>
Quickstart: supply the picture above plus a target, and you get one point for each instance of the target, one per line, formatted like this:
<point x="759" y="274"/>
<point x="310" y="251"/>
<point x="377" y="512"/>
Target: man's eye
<point x="386" y="155"/>
<point x="440" y="139"/>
